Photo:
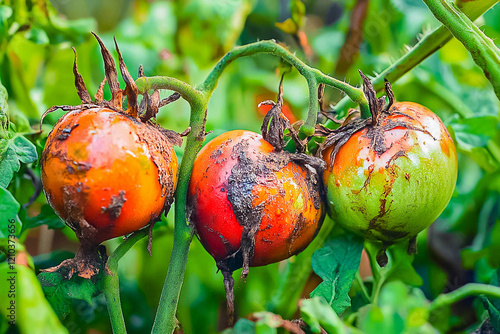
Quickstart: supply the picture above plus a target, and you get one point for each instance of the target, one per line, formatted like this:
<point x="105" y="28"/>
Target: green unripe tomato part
<point x="391" y="181"/>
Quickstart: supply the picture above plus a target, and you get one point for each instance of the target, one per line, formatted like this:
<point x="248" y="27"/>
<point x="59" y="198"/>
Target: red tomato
<point x="246" y="199"/>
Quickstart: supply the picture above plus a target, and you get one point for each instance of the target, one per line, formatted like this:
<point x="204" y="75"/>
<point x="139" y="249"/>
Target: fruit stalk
<point x="111" y="284"/>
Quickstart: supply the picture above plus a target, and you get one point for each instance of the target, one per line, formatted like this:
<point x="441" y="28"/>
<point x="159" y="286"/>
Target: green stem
<point x="484" y="52"/>
<point x="378" y="274"/>
<point x="428" y="44"/>
<point x="165" y="320"/>
<point x="312" y="75"/>
<point x="111" y="283"/>
<point x="468" y="290"/>
<point x="112" y="293"/>
<point x="362" y="285"/>
<point x="187" y="92"/>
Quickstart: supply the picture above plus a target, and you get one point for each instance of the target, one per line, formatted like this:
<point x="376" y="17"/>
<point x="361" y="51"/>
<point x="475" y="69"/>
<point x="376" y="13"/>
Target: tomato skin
<point x="99" y="161"/>
<point x="289" y="219"/>
<point x="394" y="195"/>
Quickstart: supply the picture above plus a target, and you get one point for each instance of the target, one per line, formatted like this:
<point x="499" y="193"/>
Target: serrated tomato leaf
<point x="9" y="209"/>
<point x="493" y="312"/>
<point x="60" y="292"/>
<point x="13" y="152"/>
<point x="337" y="263"/>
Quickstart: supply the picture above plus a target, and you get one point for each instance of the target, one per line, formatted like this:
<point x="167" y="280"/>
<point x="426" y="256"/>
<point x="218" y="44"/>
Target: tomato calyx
<point x="376" y="125"/>
<point x="89" y="260"/>
<point x="275" y="123"/>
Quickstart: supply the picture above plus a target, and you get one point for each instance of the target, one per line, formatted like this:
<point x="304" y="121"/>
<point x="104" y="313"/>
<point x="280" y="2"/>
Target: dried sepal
<point x="111" y="75"/>
<point x="152" y="106"/>
<point x="99" y="95"/>
<point x="131" y="88"/>
<point x="275" y="123"/>
<point x="172" y="98"/>
<point x="81" y="89"/>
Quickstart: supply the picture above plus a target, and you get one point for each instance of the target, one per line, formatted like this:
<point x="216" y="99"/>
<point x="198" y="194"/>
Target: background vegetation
<point x="184" y="39"/>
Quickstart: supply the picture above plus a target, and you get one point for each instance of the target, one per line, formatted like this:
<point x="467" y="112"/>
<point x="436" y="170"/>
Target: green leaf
<point x="400" y="265"/>
<point x="493" y="312"/>
<point x="47" y="217"/>
<point x="337" y="263"/>
<point x="60" y="292"/>
<point x="37" y="36"/>
<point x="4" y="117"/>
<point x="474" y="131"/>
<point x="12" y="152"/>
<point x="9" y="208"/>
<point x="242" y="326"/>
<point x="32" y="312"/>
<point x="318" y="314"/>
<point x="5" y="14"/>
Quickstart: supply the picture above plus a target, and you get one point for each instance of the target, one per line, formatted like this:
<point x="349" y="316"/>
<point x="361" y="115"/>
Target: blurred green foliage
<point x="184" y="39"/>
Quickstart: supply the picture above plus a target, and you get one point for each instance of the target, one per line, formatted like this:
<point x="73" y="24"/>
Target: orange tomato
<point x="109" y="170"/>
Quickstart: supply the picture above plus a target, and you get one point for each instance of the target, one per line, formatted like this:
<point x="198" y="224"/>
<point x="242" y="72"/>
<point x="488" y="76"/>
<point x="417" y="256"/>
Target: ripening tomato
<point x="246" y="200"/>
<point x="109" y="170"/>
<point x="390" y="181"/>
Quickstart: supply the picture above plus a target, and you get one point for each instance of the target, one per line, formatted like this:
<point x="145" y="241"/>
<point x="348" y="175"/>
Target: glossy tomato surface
<point x="398" y="192"/>
<point x="116" y="173"/>
<point x="238" y="184"/>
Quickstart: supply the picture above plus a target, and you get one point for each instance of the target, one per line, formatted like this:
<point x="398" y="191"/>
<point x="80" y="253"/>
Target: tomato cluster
<point x="108" y="172"/>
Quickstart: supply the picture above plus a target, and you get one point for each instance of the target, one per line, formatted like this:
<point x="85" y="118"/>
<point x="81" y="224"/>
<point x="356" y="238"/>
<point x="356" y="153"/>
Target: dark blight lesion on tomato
<point x="252" y="206"/>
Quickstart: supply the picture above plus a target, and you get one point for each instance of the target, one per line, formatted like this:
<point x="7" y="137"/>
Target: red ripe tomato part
<point x="250" y="203"/>
<point x="107" y="174"/>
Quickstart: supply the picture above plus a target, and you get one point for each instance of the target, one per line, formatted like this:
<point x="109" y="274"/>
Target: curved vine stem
<point x="313" y="76"/>
<point x="427" y="45"/>
<point x="165" y="320"/>
<point x="484" y="52"/>
<point x="111" y="284"/>
<point x="468" y="290"/>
